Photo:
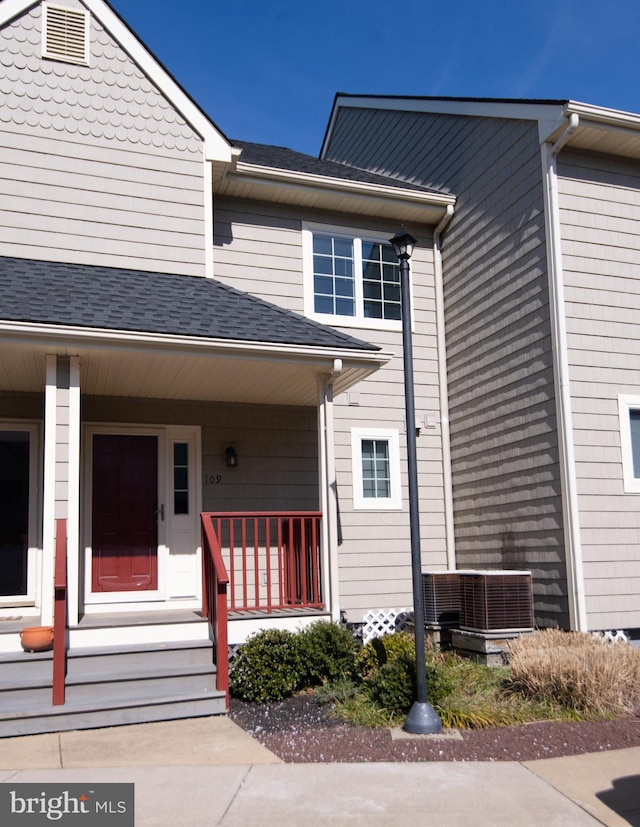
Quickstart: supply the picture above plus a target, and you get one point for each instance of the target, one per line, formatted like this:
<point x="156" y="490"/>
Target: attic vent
<point x="65" y="34"/>
<point x="493" y="601"/>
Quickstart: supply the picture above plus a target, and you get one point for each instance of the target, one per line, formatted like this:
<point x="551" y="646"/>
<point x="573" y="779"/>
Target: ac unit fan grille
<point x="441" y="598"/>
<point x="496" y="602"/>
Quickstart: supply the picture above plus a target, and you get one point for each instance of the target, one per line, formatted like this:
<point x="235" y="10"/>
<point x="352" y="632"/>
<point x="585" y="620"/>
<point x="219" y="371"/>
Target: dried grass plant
<point x="577" y="671"/>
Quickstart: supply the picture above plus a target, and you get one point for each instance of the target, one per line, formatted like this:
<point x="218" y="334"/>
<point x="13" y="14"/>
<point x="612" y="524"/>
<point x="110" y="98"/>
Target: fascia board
<point x="185" y="345"/>
<point x="217" y="148"/>
<point x="252" y="173"/>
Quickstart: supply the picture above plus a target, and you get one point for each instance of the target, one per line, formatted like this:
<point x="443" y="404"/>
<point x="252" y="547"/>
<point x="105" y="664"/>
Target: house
<point x="199" y="361"/>
<point x="540" y="270"/>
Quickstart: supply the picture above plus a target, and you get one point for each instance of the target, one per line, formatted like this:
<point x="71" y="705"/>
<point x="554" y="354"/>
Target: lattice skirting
<point x="380" y="622"/>
<point x="613" y="636"/>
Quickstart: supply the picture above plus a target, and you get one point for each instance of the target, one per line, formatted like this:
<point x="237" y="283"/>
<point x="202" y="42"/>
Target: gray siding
<point x="258" y="248"/>
<point x="95" y="165"/>
<point x="504" y="448"/>
<point x="600" y="210"/>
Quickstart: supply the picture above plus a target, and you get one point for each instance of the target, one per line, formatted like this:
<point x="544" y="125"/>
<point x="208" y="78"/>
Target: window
<point x="351" y="279"/>
<point x="376" y="469"/>
<point x="629" y="413"/>
<point x="65" y="34"/>
<point x="180" y="477"/>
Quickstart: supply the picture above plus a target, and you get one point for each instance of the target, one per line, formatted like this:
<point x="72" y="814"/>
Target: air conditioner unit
<point x="496" y="601"/>
<point x="441" y="598"/>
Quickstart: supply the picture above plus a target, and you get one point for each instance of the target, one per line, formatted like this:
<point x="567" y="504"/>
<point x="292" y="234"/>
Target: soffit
<point x="120" y="370"/>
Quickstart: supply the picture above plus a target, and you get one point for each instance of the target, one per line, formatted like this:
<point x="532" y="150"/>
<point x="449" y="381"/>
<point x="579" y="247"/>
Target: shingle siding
<point x="265" y="258"/>
<point x="600" y="212"/>
<point x="506" y="483"/>
<point x="95" y="165"/>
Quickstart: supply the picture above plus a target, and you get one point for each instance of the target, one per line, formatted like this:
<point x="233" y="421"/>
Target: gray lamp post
<point x="422" y="718"/>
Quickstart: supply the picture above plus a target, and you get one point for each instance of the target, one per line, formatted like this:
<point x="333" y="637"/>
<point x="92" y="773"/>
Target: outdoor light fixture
<point x="403" y="244"/>
<point x="232" y="456"/>
<point x="422" y="718"/>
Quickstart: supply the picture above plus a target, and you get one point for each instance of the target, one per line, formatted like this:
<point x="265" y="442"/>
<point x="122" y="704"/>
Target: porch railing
<point x="60" y="615"/>
<point x="214" y="601"/>
<point x="273" y="559"/>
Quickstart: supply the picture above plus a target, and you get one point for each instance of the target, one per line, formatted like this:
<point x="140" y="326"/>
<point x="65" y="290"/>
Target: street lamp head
<point x="403" y="244"/>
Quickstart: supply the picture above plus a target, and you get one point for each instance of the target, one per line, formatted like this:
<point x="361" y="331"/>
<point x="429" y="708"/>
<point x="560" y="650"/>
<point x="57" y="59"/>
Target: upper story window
<point x="351" y="278"/>
<point x="65" y="34"/>
<point x="629" y="413"/>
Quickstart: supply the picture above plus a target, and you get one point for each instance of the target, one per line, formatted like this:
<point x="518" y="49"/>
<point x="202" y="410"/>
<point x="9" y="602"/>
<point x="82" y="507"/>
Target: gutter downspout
<point x="328" y="489"/>
<point x="444" y="390"/>
<point x="571" y="521"/>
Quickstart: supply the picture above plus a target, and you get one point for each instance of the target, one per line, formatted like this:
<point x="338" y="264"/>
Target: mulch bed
<point x="300" y="730"/>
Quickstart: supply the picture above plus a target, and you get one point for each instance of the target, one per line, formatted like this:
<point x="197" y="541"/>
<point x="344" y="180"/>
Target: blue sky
<point x="268" y="70"/>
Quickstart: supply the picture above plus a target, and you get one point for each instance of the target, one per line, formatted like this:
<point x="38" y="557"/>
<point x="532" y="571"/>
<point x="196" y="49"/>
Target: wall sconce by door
<point x="231" y="456"/>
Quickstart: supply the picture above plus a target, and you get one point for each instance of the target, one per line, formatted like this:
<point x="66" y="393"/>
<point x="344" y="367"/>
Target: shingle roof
<point x="278" y="157"/>
<point x="131" y="300"/>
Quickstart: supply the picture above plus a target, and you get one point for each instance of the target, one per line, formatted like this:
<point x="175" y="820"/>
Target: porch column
<point x="61" y="477"/>
<point x="328" y="496"/>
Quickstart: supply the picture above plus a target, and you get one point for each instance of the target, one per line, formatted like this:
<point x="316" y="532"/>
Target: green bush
<point x="384" y="650"/>
<point x="393" y="685"/>
<point x="268" y="667"/>
<point x="328" y="653"/>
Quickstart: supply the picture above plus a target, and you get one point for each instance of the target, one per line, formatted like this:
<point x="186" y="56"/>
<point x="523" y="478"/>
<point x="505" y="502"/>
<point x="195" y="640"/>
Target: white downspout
<point x="574" y="561"/>
<point x="328" y="490"/>
<point x="444" y="391"/>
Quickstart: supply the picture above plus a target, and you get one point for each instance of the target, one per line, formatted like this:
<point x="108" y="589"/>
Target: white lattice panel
<point x="380" y="622"/>
<point x="613" y="636"/>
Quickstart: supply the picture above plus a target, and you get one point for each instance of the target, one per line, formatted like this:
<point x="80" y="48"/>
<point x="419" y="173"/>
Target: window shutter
<point x="65" y="34"/>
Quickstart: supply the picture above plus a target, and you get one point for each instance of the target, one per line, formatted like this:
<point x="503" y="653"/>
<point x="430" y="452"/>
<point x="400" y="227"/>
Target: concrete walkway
<point x="210" y="772"/>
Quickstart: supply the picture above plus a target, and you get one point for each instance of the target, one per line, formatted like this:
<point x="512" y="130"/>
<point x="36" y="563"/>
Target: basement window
<point x="65" y="34"/>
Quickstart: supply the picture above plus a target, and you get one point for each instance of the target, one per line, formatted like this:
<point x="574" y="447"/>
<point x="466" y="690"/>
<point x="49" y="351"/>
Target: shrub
<point x="379" y="651"/>
<point x="267" y="667"/>
<point x="393" y="685"/>
<point x="576" y="670"/>
<point x="328" y="653"/>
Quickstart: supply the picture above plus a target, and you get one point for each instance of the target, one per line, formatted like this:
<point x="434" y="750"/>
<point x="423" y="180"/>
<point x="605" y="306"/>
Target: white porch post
<point x="61" y="476"/>
<point x="328" y="496"/>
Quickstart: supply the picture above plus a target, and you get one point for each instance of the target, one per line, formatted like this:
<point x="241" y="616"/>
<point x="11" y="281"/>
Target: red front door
<point x="124" y="513"/>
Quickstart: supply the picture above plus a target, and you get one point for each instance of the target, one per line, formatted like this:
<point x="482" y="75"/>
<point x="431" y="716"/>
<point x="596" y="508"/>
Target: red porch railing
<point x="214" y="601"/>
<point x="60" y="615"/>
<point x="273" y="559"/>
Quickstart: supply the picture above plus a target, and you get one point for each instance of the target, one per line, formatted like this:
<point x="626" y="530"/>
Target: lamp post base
<point x="422" y="720"/>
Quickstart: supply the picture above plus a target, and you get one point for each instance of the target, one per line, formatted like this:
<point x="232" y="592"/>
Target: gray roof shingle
<point x="278" y="157"/>
<point x="131" y="300"/>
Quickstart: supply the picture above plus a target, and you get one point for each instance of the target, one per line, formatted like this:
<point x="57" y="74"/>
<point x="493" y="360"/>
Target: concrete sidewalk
<point x="208" y="771"/>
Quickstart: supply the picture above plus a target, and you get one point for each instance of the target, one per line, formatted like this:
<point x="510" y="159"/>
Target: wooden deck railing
<point x="60" y="615"/>
<point x="272" y="558"/>
<point x="214" y="601"/>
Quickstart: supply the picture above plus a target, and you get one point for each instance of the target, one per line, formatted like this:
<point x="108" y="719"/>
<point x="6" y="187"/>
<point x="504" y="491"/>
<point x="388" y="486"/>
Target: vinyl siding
<point x="600" y="213"/>
<point x="258" y="248"/>
<point x="95" y="166"/>
<point x="505" y="468"/>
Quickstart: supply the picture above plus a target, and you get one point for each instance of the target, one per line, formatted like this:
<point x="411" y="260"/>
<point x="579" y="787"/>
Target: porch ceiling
<point x="165" y="373"/>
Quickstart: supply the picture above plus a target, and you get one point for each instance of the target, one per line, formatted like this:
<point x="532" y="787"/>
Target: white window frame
<point x="391" y="437"/>
<point x="357" y="236"/>
<point x="626" y="404"/>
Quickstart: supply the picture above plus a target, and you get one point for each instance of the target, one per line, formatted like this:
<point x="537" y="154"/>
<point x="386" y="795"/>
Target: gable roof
<point x="580" y="125"/>
<point x="216" y="145"/>
<point x="114" y="299"/>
